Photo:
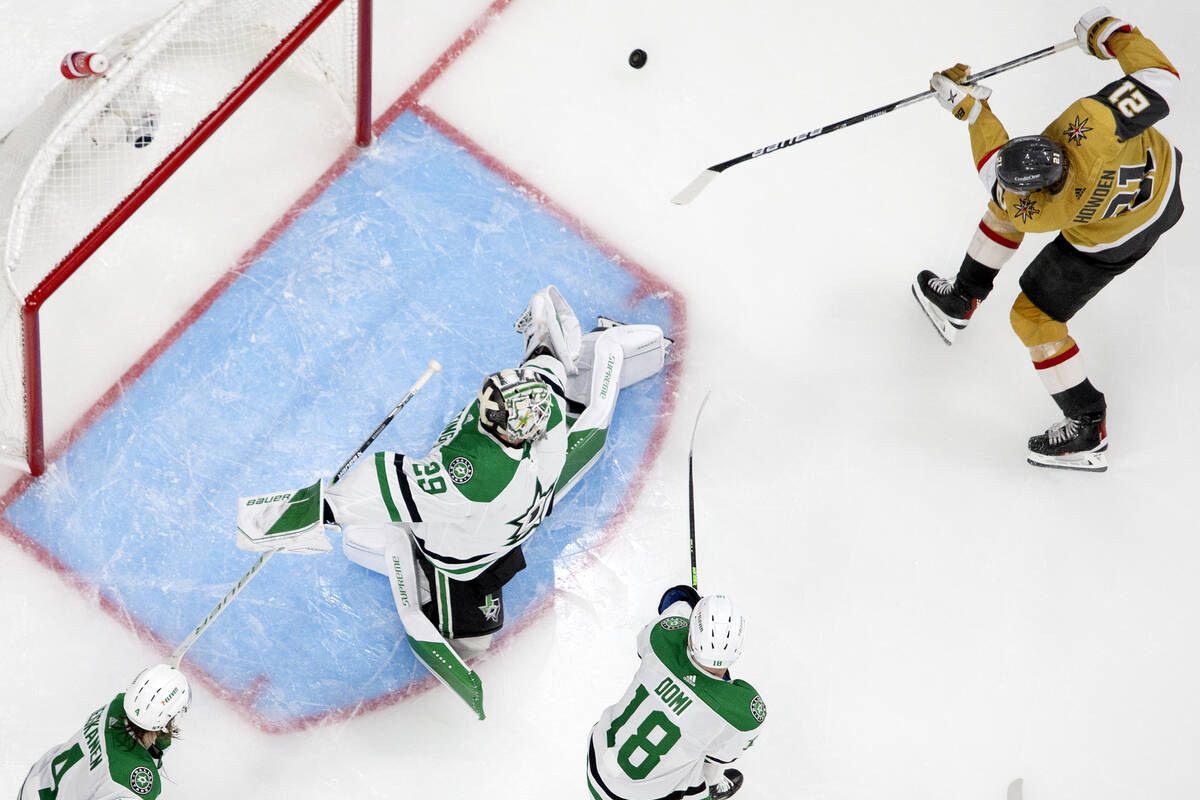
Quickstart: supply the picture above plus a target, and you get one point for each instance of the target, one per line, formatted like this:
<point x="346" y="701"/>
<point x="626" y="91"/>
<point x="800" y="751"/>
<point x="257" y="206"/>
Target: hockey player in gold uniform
<point x="1102" y="176"/>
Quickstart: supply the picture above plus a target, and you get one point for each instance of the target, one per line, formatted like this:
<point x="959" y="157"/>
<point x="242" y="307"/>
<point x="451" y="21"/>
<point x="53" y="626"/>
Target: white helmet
<point x="715" y="632"/>
<point x="156" y="696"/>
<point x="516" y="403"/>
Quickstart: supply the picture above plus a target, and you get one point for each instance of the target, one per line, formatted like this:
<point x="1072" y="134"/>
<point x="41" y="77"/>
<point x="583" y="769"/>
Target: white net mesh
<point x="93" y="141"/>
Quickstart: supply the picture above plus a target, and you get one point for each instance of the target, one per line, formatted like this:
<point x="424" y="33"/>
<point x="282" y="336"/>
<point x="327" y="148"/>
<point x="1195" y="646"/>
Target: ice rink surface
<point x="930" y="617"/>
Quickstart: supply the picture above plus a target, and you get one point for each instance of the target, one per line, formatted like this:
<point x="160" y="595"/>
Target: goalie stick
<point x="177" y="656"/>
<point x="689" y="192"/>
<point x="692" y="494"/>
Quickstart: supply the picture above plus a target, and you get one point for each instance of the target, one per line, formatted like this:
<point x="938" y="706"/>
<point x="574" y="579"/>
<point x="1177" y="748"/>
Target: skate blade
<point x="1095" y="461"/>
<point x="945" y="328"/>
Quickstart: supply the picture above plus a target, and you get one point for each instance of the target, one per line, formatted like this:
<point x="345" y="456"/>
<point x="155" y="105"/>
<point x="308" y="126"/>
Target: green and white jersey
<point x="652" y="744"/>
<point x="472" y="498"/>
<point x="100" y="762"/>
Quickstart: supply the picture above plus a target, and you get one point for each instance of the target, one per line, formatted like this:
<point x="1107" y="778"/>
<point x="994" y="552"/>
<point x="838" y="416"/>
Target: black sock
<point x="1080" y="399"/>
<point x="974" y="279"/>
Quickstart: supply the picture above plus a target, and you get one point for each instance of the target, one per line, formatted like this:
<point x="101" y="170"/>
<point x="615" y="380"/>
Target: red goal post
<point x="98" y="148"/>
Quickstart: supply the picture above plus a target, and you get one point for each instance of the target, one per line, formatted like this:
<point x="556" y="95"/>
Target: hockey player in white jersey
<point x="461" y="513"/>
<point x="683" y="719"/>
<point x="118" y="752"/>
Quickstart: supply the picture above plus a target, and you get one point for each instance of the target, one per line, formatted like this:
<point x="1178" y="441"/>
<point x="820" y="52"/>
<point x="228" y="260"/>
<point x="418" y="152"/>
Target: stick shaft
<point x="224" y="602"/>
<point x="692" y="495"/>
<point x="416" y="387"/>
<point x="187" y="643"/>
<point x="694" y="188"/>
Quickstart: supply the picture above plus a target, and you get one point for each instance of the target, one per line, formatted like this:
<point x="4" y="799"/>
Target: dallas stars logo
<point x="490" y="608"/>
<point x="460" y="470"/>
<point x="141" y="780"/>
<point x="758" y="709"/>
<point x="1026" y="209"/>
<point x="1077" y="131"/>
<point x="532" y="516"/>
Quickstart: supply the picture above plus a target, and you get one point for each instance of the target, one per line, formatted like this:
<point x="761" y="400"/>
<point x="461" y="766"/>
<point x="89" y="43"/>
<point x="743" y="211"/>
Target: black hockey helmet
<point x="1031" y="163"/>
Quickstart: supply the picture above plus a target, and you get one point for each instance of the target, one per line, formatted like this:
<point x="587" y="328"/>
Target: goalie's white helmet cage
<point x="78" y="168"/>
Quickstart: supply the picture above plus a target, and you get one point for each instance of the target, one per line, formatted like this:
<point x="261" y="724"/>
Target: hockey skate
<point x="727" y="787"/>
<point x="1074" y="443"/>
<point x="947" y="308"/>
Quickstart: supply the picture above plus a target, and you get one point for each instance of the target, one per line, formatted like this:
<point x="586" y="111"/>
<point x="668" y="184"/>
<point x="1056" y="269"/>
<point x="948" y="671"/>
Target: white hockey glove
<point x="1094" y="28"/>
<point x="288" y="521"/>
<point x="964" y="102"/>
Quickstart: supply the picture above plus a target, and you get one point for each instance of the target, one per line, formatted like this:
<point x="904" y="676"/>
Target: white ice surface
<point x="930" y="617"/>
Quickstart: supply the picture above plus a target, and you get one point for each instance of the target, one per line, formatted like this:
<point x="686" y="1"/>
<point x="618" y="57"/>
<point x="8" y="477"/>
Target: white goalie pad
<point x="430" y="648"/>
<point x="644" y="350"/>
<point x="549" y="321"/>
<point x="287" y="521"/>
<point x="363" y="545"/>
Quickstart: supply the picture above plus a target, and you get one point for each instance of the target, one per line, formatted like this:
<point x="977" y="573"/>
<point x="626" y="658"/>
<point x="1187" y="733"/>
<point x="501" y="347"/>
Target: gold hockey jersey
<point x="1121" y="169"/>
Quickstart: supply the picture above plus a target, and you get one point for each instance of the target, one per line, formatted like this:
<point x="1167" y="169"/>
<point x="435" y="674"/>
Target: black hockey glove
<point x="677" y="593"/>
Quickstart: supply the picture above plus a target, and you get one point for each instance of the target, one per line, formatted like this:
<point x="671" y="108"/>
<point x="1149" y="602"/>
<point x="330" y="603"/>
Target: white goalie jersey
<point x="653" y="743"/>
<point x="469" y="501"/>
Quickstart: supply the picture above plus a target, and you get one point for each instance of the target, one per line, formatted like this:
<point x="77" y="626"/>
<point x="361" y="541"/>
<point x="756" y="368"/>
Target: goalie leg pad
<point x="427" y="644"/>
<point x="364" y="545"/>
<point x="643" y="349"/>
<point x="549" y="322"/>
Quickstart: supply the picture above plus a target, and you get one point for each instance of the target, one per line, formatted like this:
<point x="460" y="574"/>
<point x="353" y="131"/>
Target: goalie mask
<point x="515" y="405"/>
<point x="1031" y="163"/>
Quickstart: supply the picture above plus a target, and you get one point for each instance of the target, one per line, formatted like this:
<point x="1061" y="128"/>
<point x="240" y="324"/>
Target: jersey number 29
<point x="642" y="739"/>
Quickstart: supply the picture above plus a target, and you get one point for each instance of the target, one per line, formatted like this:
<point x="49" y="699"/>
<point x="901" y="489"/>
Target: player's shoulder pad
<point x="129" y="764"/>
<point x="673" y="622"/>
<point x="742" y="706"/>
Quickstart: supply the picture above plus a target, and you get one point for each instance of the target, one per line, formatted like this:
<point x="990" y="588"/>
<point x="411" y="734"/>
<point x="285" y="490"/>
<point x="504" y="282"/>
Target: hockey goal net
<point x="98" y="147"/>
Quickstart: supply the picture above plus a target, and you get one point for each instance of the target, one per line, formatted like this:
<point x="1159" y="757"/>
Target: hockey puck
<point x="637" y="59"/>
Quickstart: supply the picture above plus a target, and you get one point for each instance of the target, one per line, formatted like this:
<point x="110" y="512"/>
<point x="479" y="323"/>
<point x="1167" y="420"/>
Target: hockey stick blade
<point x="689" y="192"/>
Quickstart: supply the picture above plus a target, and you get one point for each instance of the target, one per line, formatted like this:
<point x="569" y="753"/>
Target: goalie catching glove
<point x="963" y="101"/>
